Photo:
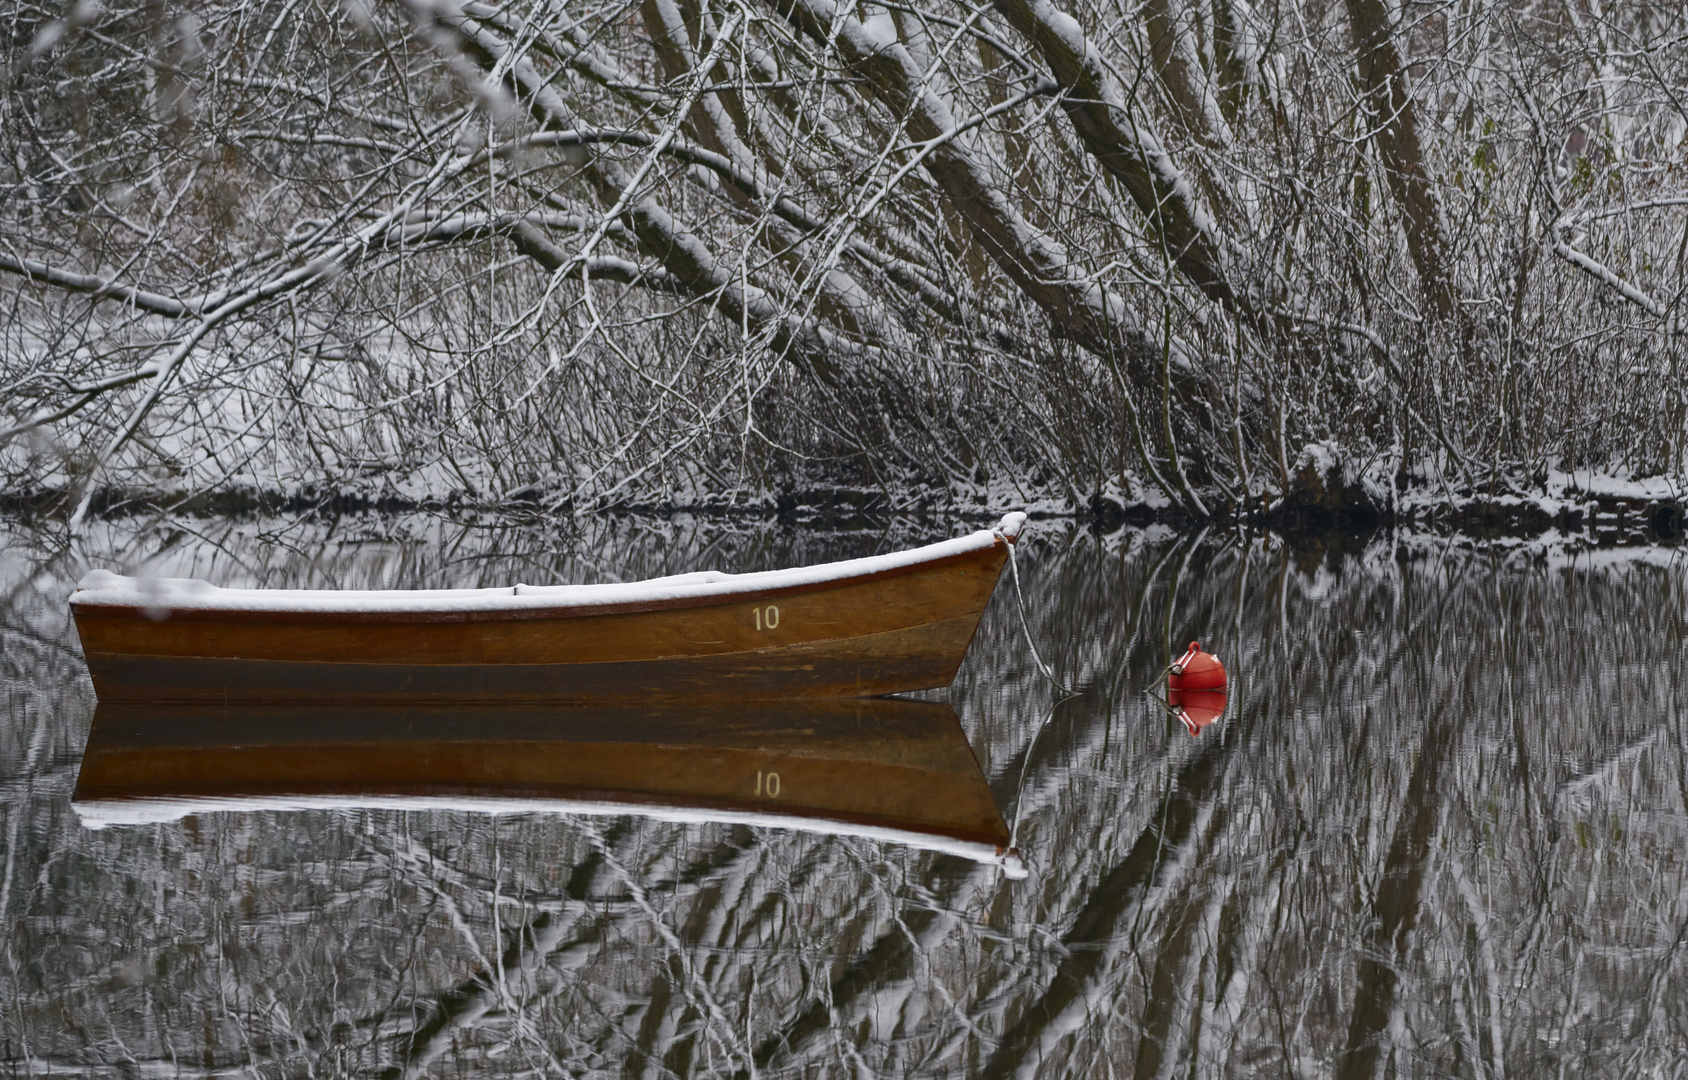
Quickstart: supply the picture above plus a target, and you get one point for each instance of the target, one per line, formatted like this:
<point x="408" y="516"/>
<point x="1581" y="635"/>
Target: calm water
<point x="1441" y="832"/>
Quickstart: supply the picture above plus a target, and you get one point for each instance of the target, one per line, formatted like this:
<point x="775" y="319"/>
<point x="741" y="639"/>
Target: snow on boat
<point x="883" y="768"/>
<point x="862" y="627"/>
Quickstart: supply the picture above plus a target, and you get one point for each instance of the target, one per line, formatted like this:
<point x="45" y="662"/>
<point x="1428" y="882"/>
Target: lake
<point x="1440" y="830"/>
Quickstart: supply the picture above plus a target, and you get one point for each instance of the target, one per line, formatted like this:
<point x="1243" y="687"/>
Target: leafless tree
<point x="679" y="250"/>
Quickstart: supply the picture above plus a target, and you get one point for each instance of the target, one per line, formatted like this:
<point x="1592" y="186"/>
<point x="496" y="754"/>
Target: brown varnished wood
<point x="857" y="636"/>
<point x="850" y="610"/>
<point x="888" y="763"/>
<point x="919" y="657"/>
<point x="871" y="728"/>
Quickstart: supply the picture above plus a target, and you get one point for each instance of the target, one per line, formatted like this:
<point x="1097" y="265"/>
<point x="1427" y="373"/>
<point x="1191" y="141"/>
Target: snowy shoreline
<point x="1598" y="507"/>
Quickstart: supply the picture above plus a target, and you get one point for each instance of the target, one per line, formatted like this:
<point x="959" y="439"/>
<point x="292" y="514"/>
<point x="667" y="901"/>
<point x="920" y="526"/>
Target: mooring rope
<point x="1025" y="626"/>
<point x="1020" y="788"/>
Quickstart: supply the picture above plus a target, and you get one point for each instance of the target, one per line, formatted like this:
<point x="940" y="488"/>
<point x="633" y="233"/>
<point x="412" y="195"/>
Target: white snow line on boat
<point x="105" y="813"/>
<point x="102" y="588"/>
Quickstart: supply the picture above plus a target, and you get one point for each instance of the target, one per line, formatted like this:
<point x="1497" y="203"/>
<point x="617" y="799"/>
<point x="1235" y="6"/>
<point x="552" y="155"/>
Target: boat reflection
<point x="885" y="768"/>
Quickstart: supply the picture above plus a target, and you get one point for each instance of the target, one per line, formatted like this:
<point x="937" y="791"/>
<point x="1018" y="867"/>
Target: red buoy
<point x="1197" y="708"/>
<point x="1196" y="670"/>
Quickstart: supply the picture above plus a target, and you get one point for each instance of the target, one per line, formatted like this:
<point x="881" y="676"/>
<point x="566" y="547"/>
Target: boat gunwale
<point x="516" y="614"/>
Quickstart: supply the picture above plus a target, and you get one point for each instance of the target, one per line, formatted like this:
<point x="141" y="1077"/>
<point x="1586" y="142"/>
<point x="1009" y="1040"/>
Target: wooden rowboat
<point x="879" y="625"/>
<point x="885" y="768"/>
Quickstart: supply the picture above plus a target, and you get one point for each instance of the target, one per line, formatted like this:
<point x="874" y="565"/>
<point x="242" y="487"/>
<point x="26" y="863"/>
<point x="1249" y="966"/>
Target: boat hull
<point x="882" y="633"/>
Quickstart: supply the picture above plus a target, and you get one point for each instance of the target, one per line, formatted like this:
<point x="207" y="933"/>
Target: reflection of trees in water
<point x="1441" y="832"/>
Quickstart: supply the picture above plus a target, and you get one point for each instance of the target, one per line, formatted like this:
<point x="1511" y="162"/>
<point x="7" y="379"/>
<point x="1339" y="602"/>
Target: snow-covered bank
<point x="1569" y="512"/>
<point x="1327" y="491"/>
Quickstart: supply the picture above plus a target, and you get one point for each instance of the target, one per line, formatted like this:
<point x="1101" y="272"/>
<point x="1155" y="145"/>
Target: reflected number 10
<point x="768" y="784"/>
<point x="767" y="618"/>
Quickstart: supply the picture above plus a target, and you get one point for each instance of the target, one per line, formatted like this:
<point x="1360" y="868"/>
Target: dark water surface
<point x="1441" y="832"/>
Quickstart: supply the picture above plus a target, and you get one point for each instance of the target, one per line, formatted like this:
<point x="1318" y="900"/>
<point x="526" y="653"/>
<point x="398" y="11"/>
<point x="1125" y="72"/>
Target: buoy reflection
<point x="1196" y="709"/>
